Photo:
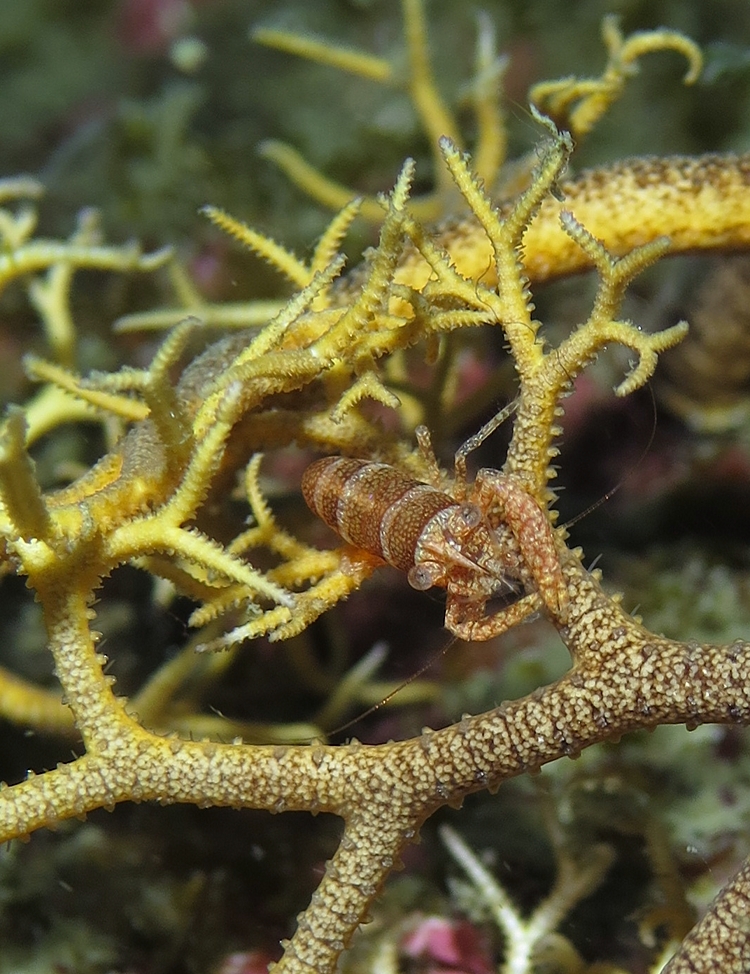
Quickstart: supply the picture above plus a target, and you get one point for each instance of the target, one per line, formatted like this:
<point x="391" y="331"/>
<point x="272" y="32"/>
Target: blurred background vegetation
<point x="147" y="109"/>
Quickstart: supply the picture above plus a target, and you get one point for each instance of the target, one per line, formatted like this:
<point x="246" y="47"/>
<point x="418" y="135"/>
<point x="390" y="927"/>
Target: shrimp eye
<point x="470" y="515"/>
<point x="421" y="578"/>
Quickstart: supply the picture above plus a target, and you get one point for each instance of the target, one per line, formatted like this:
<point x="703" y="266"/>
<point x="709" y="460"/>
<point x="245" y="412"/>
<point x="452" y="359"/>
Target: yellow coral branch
<point x="579" y="103"/>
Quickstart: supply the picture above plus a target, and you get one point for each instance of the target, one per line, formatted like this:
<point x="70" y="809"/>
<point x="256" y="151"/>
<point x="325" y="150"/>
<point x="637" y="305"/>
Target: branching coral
<point x="301" y="379"/>
<point x="25" y="258"/>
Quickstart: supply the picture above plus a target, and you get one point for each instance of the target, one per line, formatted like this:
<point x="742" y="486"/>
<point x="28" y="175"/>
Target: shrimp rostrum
<point x="478" y="541"/>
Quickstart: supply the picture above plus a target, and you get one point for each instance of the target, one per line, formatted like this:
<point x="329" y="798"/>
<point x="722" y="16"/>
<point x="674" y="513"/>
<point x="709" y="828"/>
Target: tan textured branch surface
<point x="721" y="941"/>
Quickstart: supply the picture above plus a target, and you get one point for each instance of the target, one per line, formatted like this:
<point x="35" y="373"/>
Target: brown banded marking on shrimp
<point x="448" y="538"/>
